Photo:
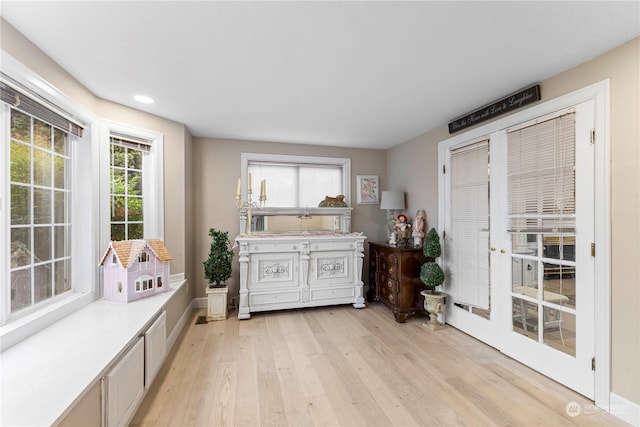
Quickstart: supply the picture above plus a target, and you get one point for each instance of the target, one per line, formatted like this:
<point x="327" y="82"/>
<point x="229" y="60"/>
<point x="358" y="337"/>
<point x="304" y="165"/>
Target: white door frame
<point x="599" y="92"/>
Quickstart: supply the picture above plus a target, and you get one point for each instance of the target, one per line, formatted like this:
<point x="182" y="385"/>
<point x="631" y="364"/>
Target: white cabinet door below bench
<point x="125" y="386"/>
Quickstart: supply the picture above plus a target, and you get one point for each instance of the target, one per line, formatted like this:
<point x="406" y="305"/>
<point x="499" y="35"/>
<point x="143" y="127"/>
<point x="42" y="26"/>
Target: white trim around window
<point x="84" y="214"/>
<point x="152" y="182"/>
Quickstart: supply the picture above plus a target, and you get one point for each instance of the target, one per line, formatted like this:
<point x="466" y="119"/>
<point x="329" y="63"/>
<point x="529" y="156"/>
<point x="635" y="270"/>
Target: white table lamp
<point x="392" y="201"/>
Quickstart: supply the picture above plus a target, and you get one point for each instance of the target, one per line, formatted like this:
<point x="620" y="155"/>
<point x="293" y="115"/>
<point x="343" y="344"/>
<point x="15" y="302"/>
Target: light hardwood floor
<point x="341" y="366"/>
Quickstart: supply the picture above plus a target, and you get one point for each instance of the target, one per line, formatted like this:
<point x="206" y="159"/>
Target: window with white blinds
<point x="467" y="243"/>
<point x="541" y="177"/>
<point x="295" y="184"/>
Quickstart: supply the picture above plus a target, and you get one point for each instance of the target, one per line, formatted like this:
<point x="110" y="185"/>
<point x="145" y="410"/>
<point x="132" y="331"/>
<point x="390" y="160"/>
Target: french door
<point x="528" y="287"/>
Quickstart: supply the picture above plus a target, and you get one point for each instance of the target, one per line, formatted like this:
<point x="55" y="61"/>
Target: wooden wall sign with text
<point x="510" y="103"/>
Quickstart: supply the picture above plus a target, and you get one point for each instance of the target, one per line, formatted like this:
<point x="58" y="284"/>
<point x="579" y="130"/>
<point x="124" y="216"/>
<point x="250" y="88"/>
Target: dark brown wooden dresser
<point x="394" y="279"/>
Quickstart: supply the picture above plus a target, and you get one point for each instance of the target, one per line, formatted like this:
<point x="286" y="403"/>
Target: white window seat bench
<point x="44" y="376"/>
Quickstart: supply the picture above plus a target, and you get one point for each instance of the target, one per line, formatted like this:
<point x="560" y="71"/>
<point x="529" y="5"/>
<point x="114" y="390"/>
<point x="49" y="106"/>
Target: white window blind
<point x="541" y="174"/>
<point x="297" y="184"/>
<point x="21" y="98"/>
<point x="467" y="243"/>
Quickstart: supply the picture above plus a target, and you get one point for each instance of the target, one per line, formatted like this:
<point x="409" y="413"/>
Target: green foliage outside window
<point x="126" y="193"/>
<point x="40" y="193"/>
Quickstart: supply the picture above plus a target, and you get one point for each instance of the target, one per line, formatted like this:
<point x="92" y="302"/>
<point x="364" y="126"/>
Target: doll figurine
<point x="418" y="227"/>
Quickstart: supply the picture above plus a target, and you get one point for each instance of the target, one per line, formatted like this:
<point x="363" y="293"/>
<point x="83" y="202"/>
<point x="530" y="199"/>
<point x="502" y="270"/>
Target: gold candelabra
<point x="250" y="204"/>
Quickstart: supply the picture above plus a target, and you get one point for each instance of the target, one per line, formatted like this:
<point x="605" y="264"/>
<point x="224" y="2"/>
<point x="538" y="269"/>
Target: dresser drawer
<point x="389" y="290"/>
<point x="322" y="294"/>
<point x="264" y="247"/>
<point x="274" y="298"/>
<point x="333" y="245"/>
<point x="391" y="265"/>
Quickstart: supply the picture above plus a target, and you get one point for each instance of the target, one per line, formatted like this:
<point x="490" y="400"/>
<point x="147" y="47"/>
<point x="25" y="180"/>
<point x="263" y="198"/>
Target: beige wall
<point x="622" y="67"/>
<point x="216" y="169"/>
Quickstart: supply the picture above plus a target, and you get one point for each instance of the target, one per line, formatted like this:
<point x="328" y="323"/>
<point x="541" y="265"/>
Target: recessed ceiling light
<point x="143" y="99"/>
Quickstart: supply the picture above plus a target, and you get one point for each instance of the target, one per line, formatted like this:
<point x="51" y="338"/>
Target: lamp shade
<point x="392" y="200"/>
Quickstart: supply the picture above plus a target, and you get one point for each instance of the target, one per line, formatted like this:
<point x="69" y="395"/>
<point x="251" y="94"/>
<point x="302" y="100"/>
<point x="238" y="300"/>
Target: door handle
<point x="493" y="249"/>
<point x="502" y="251"/>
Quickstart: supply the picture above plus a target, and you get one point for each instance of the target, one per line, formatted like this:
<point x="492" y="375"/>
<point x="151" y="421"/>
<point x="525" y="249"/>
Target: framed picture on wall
<point x="368" y="187"/>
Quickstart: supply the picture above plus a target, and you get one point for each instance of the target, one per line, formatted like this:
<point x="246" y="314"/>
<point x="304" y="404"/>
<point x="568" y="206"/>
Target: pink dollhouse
<point x="135" y="269"/>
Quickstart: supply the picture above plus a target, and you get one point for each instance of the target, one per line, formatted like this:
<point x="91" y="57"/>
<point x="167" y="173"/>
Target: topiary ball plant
<point x="430" y="273"/>
<point x="217" y="268"/>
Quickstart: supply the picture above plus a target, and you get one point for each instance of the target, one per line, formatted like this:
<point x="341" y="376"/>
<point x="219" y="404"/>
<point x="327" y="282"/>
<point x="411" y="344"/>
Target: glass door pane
<point x="543" y="289"/>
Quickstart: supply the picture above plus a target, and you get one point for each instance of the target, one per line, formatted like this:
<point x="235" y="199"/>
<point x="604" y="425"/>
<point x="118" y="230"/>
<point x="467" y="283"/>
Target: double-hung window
<point x="132" y="183"/>
<point x="298" y="181"/>
<point x="40" y="223"/>
<point x="126" y="196"/>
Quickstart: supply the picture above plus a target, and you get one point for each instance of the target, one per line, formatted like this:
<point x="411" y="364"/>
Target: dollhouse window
<point x="114" y="259"/>
<point x="144" y="283"/>
<point x="159" y="281"/>
<point x="143" y="257"/>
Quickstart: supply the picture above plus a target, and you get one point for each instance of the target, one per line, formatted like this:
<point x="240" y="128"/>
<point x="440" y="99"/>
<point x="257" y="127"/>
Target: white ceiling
<point x="356" y="74"/>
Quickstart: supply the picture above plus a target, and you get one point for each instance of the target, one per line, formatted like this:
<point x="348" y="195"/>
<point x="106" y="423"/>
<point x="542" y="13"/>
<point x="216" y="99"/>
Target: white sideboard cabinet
<point x="299" y="269"/>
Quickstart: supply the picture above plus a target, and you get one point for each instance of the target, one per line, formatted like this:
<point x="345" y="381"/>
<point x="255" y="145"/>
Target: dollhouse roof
<point x="127" y="250"/>
<point x="159" y="249"/>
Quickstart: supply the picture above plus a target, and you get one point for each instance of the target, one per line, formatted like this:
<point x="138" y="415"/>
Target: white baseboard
<point x="200" y="302"/>
<point x="624" y="409"/>
<point x="182" y="322"/>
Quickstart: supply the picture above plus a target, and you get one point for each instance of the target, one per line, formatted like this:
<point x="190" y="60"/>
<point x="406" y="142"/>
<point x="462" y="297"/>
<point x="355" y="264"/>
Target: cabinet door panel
<point x="125" y="386"/>
<point x="330" y="268"/>
<point x="269" y="271"/>
<point x="155" y="341"/>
